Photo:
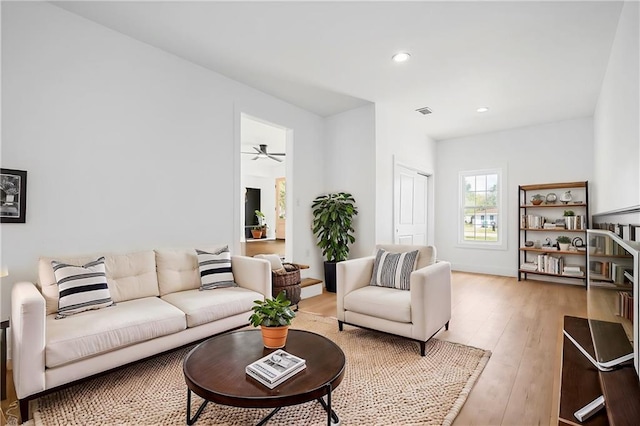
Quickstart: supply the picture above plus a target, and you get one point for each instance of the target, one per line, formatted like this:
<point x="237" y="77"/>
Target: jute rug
<point x="386" y="382"/>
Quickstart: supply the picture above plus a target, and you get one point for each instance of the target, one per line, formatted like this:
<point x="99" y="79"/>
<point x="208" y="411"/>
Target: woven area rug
<point x="386" y="382"/>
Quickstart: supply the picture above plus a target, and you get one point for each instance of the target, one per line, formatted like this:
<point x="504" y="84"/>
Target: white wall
<point x="400" y="137"/>
<point x="556" y="152"/>
<point x="350" y="167"/>
<point x="128" y="147"/>
<point x="616" y="120"/>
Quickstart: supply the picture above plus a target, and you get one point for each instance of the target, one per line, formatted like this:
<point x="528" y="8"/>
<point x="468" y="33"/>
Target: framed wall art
<point x="13" y="196"/>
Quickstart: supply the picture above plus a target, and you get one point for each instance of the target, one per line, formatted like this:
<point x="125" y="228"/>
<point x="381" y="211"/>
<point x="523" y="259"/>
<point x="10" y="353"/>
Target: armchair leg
<point x="340" y="323"/>
<point x="423" y="348"/>
<point x="446" y="326"/>
<point x="24" y="410"/>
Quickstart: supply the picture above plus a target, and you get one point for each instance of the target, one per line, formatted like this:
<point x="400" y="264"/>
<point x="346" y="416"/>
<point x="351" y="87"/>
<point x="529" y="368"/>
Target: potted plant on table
<point x="274" y="318"/>
<point x="332" y="225"/>
<point x="563" y="242"/>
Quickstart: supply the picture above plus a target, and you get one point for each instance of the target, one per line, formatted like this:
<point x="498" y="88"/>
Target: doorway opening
<point x="263" y="181"/>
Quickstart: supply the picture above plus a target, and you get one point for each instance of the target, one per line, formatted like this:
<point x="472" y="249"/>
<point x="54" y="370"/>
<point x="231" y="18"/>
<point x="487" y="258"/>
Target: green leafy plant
<point x="332" y="224"/>
<point x="569" y="213"/>
<point x="563" y="239"/>
<point x="272" y="312"/>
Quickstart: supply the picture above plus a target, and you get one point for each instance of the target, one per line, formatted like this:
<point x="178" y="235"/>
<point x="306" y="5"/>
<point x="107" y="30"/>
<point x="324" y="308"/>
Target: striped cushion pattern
<point x="81" y="288"/>
<point x="393" y="269"/>
<point x="215" y="269"/>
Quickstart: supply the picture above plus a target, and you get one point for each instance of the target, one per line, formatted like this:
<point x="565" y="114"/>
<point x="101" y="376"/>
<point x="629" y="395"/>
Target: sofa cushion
<point x="426" y="256"/>
<point x="94" y="332"/>
<point x="206" y="306"/>
<point x="393" y="269"/>
<point x="380" y="302"/>
<point x="129" y="276"/>
<point x="81" y="288"/>
<point x="215" y="269"/>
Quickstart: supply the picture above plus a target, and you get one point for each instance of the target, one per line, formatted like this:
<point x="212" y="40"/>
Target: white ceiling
<point x="530" y="62"/>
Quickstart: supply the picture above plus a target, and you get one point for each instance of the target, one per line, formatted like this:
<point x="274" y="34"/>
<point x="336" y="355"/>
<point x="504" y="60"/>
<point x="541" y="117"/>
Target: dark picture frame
<point x="13" y="196"/>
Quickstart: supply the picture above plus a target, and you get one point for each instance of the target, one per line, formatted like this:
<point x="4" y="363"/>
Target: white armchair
<point x="417" y="314"/>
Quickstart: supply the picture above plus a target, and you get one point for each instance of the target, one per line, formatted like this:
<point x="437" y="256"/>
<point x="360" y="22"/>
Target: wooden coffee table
<point x="215" y="370"/>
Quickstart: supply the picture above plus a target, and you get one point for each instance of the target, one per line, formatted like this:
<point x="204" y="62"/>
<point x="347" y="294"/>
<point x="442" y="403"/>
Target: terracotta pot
<point x="256" y="233"/>
<point x="274" y="337"/>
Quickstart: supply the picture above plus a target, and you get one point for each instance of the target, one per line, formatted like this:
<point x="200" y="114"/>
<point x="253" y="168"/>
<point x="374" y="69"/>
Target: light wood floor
<point x="520" y="322"/>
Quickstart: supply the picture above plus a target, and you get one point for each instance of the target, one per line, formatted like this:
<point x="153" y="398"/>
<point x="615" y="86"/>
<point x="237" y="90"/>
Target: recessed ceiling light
<point x="401" y="56"/>
<point x="482" y="109"/>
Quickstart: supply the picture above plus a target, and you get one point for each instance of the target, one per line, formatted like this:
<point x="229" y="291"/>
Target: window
<point x="481" y="209"/>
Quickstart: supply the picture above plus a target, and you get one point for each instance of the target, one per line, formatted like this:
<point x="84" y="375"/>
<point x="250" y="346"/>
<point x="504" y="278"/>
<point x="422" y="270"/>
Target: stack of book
<point x="572" y="271"/>
<point x="529" y="266"/>
<point x="275" y="368"/>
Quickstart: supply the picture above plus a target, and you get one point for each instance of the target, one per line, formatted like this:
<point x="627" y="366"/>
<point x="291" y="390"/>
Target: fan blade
<point x="274" y="158"/>
<point x="256" y="157"/>
<point x="278" y="153"/>
<point x="258" y="150"/>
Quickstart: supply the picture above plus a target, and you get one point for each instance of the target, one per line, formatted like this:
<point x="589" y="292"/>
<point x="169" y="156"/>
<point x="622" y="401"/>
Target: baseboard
<point x="484" y="269"/>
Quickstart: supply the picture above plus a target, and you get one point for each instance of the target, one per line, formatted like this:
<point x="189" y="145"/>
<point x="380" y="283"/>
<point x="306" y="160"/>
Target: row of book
<point x="610" y="271"/>
<point x="625" y="305"/>
<point x="532" y="221"/>
<point x="552" y="265"/>
<point x="605" y="245"/>
<point x="275" y="368"/>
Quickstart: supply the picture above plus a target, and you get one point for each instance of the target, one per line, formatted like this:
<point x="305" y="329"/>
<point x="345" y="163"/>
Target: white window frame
<point x="501" y="226"/>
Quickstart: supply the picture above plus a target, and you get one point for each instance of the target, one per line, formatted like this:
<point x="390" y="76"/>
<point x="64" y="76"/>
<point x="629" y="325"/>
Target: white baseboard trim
<point x="489" y="270"/>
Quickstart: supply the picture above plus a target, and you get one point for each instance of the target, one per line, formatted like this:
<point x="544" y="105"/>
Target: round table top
<point x="215" y="369"/>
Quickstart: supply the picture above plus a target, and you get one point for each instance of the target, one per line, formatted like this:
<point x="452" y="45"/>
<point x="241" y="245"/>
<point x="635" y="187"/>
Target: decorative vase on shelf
<point x="564" y="247"/>
<point x="566" y="197"/>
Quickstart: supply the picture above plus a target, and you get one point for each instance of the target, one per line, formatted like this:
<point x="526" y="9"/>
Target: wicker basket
<point x="287" y="281"/>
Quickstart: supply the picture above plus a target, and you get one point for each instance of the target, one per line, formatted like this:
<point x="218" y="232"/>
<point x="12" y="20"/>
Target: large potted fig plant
<point x="333" y="226"/>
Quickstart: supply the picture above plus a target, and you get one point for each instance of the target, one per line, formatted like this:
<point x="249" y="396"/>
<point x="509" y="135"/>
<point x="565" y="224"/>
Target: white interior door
<point x="410" y="188"/>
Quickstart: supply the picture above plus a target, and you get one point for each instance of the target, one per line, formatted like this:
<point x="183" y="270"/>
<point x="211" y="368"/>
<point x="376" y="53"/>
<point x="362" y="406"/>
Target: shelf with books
<point x="554" y="209"/>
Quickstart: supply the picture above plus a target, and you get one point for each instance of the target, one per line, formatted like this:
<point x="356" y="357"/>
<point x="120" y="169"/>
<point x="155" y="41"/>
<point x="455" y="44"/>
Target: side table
<point x="4" y="325"/>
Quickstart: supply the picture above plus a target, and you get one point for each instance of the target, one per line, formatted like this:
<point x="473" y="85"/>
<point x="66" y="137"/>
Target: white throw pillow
<point x="393" y="269"/>
<point x="274" y="259"/>
<point x="215" y="269"/>
<point x="81" y="288"/>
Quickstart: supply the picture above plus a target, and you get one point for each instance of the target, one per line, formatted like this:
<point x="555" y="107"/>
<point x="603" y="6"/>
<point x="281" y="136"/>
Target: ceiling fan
<point x="263" y="153"/>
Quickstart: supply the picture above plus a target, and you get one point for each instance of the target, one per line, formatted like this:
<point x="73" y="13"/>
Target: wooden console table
<point x="581" y="383"/>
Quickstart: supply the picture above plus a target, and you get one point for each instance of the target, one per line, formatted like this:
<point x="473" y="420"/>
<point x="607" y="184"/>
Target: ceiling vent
<point x="424" y="110"/>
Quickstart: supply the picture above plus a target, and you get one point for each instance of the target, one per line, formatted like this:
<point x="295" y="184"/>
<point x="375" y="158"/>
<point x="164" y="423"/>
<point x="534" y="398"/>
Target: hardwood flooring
<point x="520" y="322"/>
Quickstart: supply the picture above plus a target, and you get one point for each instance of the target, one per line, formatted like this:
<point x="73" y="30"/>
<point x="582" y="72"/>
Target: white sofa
<point x="417" y="314"/>
<point x="158" y="307"/>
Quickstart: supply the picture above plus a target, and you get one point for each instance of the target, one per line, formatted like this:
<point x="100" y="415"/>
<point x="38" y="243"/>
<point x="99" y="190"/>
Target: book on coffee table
<point x="275" y="368"/>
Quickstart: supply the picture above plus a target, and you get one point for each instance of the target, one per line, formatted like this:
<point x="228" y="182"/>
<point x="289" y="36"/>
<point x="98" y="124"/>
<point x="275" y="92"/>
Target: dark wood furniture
<point x="215" y="370"/>
<point x="581" y="383"/>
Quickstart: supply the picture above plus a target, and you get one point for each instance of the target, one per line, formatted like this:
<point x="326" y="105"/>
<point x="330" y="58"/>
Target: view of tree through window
<point x="481" y="207"/>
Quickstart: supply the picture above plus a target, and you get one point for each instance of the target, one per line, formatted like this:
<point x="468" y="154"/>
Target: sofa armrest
<point x="28" y="338"/>
<point x="351" y="275"/>
<point x="430" y="289"/>
<point x="253" y="274"/>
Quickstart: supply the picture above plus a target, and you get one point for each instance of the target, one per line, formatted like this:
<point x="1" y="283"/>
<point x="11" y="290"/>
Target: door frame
<point x="430" y="210"/>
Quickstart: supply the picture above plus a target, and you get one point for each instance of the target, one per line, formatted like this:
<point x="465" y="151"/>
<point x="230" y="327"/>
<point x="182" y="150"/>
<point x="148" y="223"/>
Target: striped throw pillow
<point x="393" y="269"/>
<point x="81" y="288"/>
<point x="215" y="269"/>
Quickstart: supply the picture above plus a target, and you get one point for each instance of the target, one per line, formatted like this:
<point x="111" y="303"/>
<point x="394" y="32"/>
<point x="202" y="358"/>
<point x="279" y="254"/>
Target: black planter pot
<point x="330" y="276"/>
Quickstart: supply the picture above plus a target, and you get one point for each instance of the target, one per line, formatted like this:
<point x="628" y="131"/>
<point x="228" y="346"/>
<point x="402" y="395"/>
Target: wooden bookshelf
<point x="552" y="210"/>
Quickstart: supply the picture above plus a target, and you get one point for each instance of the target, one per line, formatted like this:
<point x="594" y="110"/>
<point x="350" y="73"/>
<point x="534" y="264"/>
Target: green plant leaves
<point x="332" y="224"/>
<point x="272" y="312"/>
